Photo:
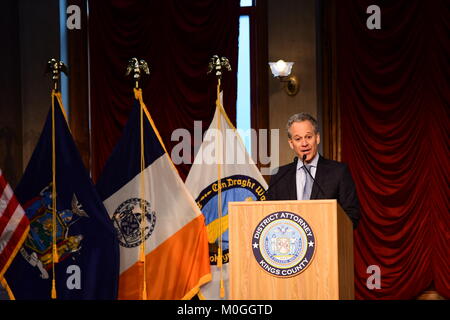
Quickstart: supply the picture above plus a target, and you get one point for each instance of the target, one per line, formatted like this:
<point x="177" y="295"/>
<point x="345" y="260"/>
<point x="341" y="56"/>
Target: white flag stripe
<point x="4" y="198"/>
<point x="211" y="289"/>
<point x="11" y="227"/>
<point x="162" y="200"/>
<point x="197" y="179"/>
<point x="13" y="221"/>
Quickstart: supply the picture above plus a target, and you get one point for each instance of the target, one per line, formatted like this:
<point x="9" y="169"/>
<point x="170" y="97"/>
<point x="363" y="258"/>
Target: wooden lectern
<point x="329" y="274"/>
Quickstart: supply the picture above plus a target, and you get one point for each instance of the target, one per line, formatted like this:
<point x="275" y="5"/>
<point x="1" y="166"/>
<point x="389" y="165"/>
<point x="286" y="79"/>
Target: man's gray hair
<point x="299" y="117"/>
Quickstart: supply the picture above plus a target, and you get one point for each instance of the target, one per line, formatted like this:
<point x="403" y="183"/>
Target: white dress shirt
<point x="301" y="174"/>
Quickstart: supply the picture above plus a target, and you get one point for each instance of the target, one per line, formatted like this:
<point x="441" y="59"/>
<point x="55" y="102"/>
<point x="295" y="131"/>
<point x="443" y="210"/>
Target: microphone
<point x="314" y="180"/>
<point x="279" y="179"/>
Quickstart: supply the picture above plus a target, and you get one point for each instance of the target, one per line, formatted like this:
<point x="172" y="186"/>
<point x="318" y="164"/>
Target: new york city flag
<point x="161" y="231"/>
<point x="72" y="251"/>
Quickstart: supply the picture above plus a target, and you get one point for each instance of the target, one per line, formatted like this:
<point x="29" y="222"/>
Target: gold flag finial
<point x="55" y="67"/>
<point x="137" y="67"/>
<point x="218" y="64"/>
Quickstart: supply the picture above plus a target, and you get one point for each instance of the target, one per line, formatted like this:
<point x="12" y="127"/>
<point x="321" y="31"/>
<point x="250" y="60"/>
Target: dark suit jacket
<point x="334" y="179"/>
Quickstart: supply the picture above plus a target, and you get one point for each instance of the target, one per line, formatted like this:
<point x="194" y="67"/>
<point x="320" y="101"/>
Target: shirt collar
<point x="313" y="163"/>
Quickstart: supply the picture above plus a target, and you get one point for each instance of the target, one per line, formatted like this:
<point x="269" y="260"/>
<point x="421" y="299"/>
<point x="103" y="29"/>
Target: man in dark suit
<point x="332" y="179"/>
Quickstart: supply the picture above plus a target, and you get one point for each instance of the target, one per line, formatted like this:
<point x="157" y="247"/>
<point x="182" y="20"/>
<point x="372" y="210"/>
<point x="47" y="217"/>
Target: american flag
<point x="14" y="225"/>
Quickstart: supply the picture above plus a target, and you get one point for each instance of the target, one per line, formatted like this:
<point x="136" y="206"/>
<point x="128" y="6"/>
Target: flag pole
<point x="217" y="64"/>
<point x="54" y="67"/>
<point x="136" y="67"/>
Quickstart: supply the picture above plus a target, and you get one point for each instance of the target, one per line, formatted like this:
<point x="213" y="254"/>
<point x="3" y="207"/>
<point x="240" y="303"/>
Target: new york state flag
<point x="70" y="252"/>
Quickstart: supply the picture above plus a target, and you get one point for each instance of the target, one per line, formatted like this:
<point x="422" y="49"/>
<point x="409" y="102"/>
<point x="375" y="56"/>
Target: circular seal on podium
<point x="283" y="244"/>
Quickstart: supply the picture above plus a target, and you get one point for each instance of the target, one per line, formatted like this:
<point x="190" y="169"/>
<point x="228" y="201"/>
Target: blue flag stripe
<point x="120" y="162"/>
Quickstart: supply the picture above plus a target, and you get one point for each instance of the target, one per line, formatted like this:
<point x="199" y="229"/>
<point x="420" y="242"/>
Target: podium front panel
<point x="329" y="274"/>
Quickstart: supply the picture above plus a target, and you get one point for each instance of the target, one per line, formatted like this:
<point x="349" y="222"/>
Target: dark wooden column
<point x="331" y="129"/>
<point x="10" y="102"/>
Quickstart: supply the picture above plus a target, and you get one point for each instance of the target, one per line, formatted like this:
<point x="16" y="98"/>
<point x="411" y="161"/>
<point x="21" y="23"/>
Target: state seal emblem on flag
<point x="37" y="247"/>
<point x="283" y="244"/>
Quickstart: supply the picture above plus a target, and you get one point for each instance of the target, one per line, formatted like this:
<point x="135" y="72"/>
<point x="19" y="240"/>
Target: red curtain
<point x="394" y="99"/>
<point x="177" y="39"/>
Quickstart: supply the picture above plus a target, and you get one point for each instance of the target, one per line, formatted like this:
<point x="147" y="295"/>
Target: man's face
<point x="304" y="140"/>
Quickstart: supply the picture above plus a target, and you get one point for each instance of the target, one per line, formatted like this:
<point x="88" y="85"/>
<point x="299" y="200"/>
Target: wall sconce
<point x="282" y="70"/>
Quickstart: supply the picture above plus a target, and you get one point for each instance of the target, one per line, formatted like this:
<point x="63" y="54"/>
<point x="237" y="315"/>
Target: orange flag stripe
<point x="163" y="276"/>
